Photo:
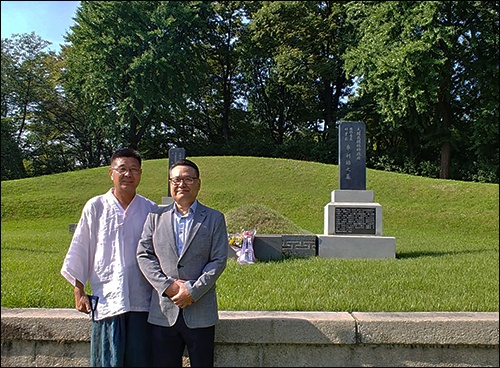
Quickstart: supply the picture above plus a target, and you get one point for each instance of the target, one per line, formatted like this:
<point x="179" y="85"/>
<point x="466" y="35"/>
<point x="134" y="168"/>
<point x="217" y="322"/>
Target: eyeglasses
<point x="122" y="171"/>
<point x="187" y="180"/>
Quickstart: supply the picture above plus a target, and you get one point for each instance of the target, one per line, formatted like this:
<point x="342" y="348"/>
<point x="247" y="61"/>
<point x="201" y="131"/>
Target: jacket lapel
<point x="169" y="218"/>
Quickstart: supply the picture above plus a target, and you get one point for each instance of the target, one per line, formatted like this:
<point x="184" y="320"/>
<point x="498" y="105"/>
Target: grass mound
<point x="446" y="237"/>
<point x="261" y="218"/>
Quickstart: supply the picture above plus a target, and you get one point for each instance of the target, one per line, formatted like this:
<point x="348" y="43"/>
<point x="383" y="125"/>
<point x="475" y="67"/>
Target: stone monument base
<point x="165" y="201"/>
<point x="352" y="246"/>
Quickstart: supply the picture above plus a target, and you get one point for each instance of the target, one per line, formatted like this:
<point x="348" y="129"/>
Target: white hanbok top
<point x="103" y="251"/>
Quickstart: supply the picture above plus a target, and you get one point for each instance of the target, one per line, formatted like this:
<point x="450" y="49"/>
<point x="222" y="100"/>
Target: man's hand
<point x="82" y="302"/>
<point x="172" y="289"/>
<point x="182" y="298"/>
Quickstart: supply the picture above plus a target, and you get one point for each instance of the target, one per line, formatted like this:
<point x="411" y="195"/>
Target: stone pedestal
<point x="165" y="201"/>
<point x="353" y="227"/>
<point x="352" y="246"/>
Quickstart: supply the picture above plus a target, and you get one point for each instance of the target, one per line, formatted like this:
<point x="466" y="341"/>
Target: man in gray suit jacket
<point x="182" y="252"/>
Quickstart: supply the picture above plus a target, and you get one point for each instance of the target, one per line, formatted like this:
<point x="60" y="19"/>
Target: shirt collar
<point x="191" y="211"/>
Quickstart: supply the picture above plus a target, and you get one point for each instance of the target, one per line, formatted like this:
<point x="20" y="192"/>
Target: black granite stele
<point x="352" y="155"/>
<point x="174" y="155"/>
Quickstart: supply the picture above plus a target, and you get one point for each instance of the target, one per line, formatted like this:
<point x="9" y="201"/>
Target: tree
<point x="215" y="110"/>
<point x="11" y="156"/>
<point x="306" y="40"/>
<point x="226" y="26"/>
<point x="23" y="77"/>
<point x="23" y="86"/>
<point x="414" y="60"/>
<point x="136" y="62"/>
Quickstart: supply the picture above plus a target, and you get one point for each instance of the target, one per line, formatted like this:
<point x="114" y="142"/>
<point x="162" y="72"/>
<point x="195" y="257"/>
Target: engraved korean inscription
<point x="354" y="220"/>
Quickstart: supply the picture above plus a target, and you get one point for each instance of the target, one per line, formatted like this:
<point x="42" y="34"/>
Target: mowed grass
<point x="446" y="237"/>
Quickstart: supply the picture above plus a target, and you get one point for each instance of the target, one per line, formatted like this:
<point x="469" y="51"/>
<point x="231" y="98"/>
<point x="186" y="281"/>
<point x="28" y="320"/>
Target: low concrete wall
<point x="60" y="337"/>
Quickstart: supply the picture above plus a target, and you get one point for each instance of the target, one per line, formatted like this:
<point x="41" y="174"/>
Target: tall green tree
<point x="306" y="40"/>
<point x="65" y="124"/>
<point x="216" y="112"/>
<point x="48" y="130"/>
<point x="418" y="60"/>
<point x="136" y="62"/>
<point x="11" y="156"/>
<point x="23" y="77"/>
<point x="24" y="85"/>
<point x="226" y="26"/>
<point x="276" y="108"/>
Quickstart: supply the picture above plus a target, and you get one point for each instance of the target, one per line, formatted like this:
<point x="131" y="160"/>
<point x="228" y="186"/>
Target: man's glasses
<point x="187" y="180"/>
<point x="123" y="171"/>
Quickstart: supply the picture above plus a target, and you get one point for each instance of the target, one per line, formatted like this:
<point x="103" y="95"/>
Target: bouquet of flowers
<point x="242" y="244"/>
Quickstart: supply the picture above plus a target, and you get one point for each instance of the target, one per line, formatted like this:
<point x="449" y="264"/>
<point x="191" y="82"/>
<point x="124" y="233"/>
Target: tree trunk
<point x="444" y="172"/>
<point x="132" y="136"/>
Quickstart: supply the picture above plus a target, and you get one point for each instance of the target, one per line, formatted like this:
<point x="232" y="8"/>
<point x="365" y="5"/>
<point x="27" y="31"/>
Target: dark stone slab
<point x="271" y="247"/>
<point x="266" y="247"/>
<point x="352" y="155"/>
<point x="174" y="155"/>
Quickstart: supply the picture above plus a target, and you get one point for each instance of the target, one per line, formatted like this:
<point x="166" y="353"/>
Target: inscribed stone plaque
<point x="355" y="220"/>
<point x="352" y="155"/>
<point x="174" y="155"/>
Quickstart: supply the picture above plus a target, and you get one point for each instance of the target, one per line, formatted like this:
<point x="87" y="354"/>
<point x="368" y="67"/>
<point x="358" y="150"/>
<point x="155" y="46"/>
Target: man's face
<point x="183" y="192"/>
<point x="126" y="174"/>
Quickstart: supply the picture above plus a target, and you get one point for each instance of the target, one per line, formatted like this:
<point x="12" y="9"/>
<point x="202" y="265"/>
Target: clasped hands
<point x="178" y="293"/>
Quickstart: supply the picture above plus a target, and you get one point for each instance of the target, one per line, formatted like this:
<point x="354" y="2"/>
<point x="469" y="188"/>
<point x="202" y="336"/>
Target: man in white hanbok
<point x="103" y="254"/>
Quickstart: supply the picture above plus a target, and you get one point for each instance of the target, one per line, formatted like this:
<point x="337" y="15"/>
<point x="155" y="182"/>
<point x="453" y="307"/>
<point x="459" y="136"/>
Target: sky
<point x="48" y="19"/>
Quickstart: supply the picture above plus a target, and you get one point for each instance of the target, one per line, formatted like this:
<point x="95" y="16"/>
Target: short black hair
<point x="185" y="162"/>
<point x="126" y="152"/>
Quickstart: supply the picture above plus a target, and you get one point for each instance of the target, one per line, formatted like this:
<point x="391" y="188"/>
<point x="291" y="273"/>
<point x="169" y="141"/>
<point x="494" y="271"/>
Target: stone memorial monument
<point x="174" y="155"/>
<point x="352" y="220"/>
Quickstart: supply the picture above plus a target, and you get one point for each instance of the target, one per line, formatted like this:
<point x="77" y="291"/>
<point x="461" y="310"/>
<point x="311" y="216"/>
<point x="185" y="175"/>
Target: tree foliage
<point x="136" y="62"/>
<point x="25" y="85"/>
<point x="420" y="62"/>
<point x="262" y="78"/>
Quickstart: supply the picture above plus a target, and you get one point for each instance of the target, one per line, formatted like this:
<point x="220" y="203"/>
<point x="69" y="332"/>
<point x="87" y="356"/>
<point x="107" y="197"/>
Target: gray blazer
<point x="201" y="263"/>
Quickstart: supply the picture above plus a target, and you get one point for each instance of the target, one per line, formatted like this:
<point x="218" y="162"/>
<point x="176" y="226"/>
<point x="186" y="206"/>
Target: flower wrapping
<point x="242" y="244"/>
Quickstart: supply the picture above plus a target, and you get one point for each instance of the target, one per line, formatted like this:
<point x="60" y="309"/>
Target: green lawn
<point x="446" y="237"/>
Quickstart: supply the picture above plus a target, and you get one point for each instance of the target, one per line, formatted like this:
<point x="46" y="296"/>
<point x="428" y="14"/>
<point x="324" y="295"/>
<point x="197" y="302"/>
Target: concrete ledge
<point x="270" y="327"/>
<point x="428" y="328"/>
<point x="61" y="337"/>
<point x="56" y="324"/>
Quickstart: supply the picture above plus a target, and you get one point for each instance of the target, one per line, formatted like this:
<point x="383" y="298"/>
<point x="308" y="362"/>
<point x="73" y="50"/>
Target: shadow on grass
<point x="22" y="249"/>
<point x="402" y="255"/>
<point x="284" y="258"/>
<point x="405" y="255"/>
